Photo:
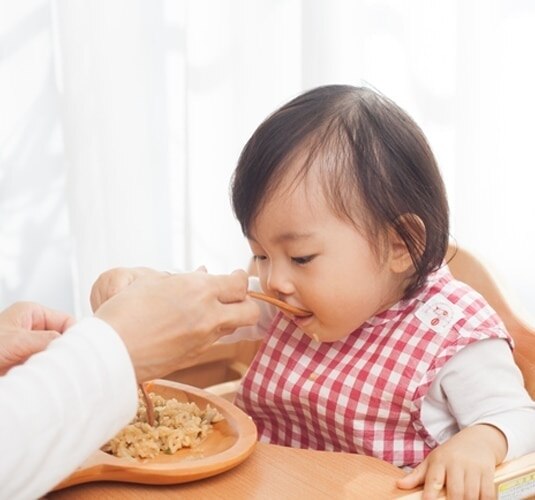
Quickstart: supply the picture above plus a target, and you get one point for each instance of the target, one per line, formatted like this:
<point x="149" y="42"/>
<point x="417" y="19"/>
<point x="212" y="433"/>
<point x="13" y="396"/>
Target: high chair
<point x="514" y="479"/>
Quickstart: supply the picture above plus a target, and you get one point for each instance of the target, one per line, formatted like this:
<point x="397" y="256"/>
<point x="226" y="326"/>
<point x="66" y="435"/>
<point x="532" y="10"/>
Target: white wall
<point x="121" y="122"/>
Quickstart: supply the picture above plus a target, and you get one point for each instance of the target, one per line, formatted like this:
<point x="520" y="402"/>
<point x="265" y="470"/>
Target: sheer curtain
<point x="122" y="121"/>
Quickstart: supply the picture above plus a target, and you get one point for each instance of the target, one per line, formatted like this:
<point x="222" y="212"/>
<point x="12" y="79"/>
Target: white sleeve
<point x="62" y="405"/>
<point x="258" y="331"/>
<point x="482" y="384"/>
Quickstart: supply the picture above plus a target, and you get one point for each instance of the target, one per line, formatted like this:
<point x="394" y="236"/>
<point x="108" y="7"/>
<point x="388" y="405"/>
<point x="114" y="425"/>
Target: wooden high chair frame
<point x="517" y="475"/>
<point x="466" y="268"/>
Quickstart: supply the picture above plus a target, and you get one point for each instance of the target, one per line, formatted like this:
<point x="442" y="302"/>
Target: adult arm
<point x="61" y="405"/>
<point x="66" y="401"/>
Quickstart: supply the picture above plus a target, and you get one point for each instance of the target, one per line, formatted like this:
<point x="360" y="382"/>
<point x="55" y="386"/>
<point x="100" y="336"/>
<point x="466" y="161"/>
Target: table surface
<point x="270" y="472"/>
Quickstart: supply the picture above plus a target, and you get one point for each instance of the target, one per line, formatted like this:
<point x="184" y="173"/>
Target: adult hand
<point x="166" y="319"/>
<point x="27" y="328"/>
<point x="111" y="282"/>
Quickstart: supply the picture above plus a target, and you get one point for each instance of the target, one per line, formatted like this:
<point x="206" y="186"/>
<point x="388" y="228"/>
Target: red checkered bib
<point x="363" y="394"/>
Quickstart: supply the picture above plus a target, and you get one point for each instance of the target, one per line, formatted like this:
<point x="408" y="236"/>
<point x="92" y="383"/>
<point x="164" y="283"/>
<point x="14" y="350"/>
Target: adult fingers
<point x="109" y="284"/>
<point x="51" y="320"/>
<point x="233" y="287"/>
<point x="235" y="315"/>
<point x="37" y="340"/>
<point x="17" y="348"/>
<point x="33" y="316"/>
<point x="19" y="315"/>
<point x="96" y="296"/>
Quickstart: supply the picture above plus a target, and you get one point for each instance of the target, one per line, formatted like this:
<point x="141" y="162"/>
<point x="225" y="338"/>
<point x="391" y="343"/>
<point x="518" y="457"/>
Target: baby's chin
<point x="325" y="335"/>
<point x="319" y="332"/>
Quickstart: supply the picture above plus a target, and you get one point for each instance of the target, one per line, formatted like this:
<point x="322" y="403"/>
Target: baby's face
<point x="309" y="257"/>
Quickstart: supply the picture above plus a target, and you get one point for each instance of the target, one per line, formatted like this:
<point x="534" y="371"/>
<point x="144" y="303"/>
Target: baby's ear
<point x="407" y="228"/>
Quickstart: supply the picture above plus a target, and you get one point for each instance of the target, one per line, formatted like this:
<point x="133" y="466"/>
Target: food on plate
<point x="176" y="425"/>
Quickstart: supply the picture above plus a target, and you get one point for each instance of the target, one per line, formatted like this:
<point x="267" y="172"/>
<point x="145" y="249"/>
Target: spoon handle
<point x="296" y="311"/>
<point x="149" y="405"/>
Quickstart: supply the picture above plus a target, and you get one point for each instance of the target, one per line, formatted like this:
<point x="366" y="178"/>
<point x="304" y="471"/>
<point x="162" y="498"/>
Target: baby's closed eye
<point x="303" y="260"/>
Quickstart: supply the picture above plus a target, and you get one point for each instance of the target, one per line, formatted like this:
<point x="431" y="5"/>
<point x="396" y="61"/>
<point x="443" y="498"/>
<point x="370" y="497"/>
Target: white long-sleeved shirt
<point x="62" y="405"/>
<point x="492" y="393"/>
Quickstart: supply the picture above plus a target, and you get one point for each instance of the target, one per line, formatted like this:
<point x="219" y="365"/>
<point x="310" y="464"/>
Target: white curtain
<point x="121" y="122"/>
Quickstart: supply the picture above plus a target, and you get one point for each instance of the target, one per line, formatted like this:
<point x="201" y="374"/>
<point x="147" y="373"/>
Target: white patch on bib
<point x="439" y="314"/>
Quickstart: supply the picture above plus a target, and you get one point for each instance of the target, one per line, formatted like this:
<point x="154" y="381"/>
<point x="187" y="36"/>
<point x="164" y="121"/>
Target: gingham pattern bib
<point x="363" y="394"/>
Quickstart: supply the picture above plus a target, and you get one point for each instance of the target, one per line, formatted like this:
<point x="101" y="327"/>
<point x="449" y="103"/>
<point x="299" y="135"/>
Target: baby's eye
<point x="256" y="258"/>
<point x="303" y="260"/>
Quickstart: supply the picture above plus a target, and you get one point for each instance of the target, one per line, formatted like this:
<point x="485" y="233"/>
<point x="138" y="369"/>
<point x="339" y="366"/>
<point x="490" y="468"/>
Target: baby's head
<point x="369" y="163"/>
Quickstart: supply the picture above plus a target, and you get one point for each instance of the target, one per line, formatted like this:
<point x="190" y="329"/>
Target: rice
<point x="176" y="426"/>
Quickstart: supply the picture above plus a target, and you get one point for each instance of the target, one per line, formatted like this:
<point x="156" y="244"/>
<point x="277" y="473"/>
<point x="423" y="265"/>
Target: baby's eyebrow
<point x="284" y="237"/>
<point x="292" y="236"/>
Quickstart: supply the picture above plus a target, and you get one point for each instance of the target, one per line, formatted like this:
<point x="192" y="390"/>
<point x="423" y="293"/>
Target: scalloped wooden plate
<point x="231" y="441"/>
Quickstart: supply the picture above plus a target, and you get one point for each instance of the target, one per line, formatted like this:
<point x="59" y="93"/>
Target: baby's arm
<point x="481" y="389"/>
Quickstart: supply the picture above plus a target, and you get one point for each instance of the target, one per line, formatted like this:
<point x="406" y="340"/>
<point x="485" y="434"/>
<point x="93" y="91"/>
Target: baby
<point x="346" y="214"/>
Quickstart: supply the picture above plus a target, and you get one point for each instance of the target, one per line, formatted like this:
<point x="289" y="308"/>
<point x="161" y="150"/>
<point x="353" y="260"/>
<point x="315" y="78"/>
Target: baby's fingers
<point x="414" y="478"/>
<point x="435" y="481"/>
<point x="479" y="485"/>
<point x="431" y="475"/>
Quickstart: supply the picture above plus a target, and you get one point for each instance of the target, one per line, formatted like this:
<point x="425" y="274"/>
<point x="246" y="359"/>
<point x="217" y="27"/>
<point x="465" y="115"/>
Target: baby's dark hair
<point x="377" y="167"/>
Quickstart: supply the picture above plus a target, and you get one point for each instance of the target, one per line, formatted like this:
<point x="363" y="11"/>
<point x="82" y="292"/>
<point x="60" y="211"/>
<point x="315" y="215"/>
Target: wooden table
<point x="276" y="472"/>
<point x="270" y="472"/>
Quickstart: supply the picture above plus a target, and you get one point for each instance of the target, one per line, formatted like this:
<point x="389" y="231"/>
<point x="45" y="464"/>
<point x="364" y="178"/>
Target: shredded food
<point x="176" y="426"/>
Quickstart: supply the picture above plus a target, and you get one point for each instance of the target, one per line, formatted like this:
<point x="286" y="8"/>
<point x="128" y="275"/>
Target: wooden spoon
<point x="149" y="405"/>
<point x="296" y="311"/>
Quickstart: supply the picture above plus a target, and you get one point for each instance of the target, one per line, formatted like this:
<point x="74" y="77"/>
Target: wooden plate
<point x="231" y="441"/>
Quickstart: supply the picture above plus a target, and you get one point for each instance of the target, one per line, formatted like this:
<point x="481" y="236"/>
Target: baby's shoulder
<point x="455" y="309"/>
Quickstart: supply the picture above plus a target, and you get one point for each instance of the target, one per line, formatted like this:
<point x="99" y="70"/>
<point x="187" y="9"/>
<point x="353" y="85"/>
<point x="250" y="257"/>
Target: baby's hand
<point x="113" y="281"/>
<point x="464" y="465"/>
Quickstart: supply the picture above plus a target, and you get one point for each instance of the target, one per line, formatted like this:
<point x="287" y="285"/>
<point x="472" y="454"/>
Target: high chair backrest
<point x="466" y="268"/>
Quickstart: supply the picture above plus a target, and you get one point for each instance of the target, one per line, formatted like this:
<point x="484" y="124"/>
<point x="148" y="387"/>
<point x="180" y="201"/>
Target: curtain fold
<point x="113" y="109"/>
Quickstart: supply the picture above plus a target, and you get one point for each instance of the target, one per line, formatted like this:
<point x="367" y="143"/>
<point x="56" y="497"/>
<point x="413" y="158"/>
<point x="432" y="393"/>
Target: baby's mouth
<point x="305" y="324"/>
<point x="302" y="317"/>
